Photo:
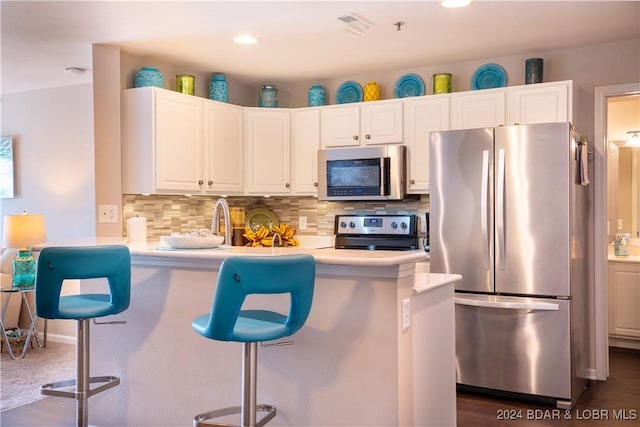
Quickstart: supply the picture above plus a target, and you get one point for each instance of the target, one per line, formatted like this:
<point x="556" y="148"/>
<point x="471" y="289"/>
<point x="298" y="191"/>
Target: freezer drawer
<point x="519" y="345"/>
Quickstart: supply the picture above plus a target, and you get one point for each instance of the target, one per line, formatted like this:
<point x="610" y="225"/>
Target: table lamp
<point x="22" y="232"/>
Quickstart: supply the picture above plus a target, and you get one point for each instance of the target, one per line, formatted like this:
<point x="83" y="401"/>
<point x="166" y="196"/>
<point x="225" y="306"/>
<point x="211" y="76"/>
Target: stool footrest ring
<point x="52" y="389"/>
<point x="199" y="420"/>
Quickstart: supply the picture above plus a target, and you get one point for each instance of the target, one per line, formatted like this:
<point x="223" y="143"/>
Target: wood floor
<point x="603" y="399"/>
<point x="603" y="404"/>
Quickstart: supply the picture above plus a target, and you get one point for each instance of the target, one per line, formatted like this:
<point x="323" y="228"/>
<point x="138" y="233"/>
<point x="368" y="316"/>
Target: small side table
<point x="32" y="332"/>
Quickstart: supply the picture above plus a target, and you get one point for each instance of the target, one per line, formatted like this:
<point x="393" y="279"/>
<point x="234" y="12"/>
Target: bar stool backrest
<point x="242" y="276"/>
<point x="56" y="264"/>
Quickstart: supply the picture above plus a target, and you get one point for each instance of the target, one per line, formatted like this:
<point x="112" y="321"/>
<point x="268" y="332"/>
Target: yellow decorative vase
<point x="372" y="91"/>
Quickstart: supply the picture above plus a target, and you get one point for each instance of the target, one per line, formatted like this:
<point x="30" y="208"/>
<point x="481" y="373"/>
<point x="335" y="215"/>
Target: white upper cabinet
<point x="368" y="123"/>
<point x="305" y="143"/>
<point x="162" y="142"/>
<point x="540" y="103"/>
<point x="422" y="116"/>
<point x="478" y="109"/>
<point x="224" y="160"/>
<point x="268" y="151"/>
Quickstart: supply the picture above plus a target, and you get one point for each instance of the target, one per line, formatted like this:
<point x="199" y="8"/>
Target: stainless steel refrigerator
<point x="509" y="211"/>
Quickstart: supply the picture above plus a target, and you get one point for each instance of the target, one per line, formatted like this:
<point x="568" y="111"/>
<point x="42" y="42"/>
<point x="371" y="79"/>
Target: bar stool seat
<point x="242" y="276"/>
<point x="57" y="264"/>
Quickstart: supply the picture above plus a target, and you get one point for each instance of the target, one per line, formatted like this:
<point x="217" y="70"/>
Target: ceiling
<point x="299" y="40"/>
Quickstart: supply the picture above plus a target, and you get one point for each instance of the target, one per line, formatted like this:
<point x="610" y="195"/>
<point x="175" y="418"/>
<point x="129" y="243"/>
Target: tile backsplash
<point x="167" y="214"/>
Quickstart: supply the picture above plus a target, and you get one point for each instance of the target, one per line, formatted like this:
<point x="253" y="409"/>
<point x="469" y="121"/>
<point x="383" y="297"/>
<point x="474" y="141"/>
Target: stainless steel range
<point x="376" y="232"/>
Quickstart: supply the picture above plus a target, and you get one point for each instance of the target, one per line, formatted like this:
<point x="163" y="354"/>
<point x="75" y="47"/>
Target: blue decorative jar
<point x="268" y="96"/>
<point x="317" y="96"/>
<point x="149" y="76"/>
<point x="219" y="88"/>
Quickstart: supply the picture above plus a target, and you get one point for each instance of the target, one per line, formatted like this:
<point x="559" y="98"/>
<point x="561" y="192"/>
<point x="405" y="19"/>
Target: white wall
<point x="52" y="131"/>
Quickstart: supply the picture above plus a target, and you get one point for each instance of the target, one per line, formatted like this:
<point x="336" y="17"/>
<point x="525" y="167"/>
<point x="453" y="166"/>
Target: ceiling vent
<point x="355" y="24"/>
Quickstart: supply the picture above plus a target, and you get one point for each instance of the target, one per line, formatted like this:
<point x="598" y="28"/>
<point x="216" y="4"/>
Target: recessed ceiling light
<point x="455" y="3"/>
<point x="246" y="39"/>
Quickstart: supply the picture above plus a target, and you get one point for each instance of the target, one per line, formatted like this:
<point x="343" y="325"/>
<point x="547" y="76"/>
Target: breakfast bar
<point x="357" y="361"/>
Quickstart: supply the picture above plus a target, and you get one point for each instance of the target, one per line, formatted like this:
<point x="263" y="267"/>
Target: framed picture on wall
<point x="6" y="167"/>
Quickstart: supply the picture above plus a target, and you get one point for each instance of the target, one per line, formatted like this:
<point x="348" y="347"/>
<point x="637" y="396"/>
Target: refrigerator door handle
<point x="484" y="209"/>
<point x="500" y="210"/>
<point x="543" y="306"/>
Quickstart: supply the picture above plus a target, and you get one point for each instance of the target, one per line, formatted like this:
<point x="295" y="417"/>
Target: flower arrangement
<point x="264" y="236"/>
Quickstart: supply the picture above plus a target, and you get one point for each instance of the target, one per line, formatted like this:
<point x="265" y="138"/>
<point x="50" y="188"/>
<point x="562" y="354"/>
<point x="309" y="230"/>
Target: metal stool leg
<point x="250" y="407"/>
<point x="83" y="381"/>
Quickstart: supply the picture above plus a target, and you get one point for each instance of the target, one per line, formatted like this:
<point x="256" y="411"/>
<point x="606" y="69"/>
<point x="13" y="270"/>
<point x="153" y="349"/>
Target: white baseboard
<point x="63" y="339"/>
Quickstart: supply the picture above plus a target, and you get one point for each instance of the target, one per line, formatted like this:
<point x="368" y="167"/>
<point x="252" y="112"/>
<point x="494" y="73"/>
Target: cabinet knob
<point x="210" y="182"/>
<point x="287" y="185"/>
<point x="412" y="181"/>
<point x="200" y="182"/>
<point x="315" y="184"/>
<point x="355" y="137"/>
<point x="367" y="136"/>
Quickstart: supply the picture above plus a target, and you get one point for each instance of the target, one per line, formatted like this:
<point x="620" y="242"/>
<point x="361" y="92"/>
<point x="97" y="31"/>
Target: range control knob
<point x="404" y="225"/>
<point x="352" y="224"/>
<point x="394" y="225"/>
<point x="343" y="224"/>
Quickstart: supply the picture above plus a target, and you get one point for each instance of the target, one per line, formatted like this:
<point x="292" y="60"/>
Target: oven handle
<point x="544" y="306"/>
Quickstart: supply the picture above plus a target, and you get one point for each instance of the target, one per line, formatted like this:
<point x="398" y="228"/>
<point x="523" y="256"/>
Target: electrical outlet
<point x="406" y="314"/>
<point x="302" y="222"/>
<point x="107" y="214"/>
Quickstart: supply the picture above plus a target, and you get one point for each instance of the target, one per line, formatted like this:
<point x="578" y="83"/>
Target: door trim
<point x="601" y="334"/>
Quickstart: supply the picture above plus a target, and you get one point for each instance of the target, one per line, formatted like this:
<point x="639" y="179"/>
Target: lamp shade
<point x="23" y="231"/>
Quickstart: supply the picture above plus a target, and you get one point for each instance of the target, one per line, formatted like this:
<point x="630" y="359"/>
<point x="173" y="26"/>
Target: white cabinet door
<point x="539" y="103"/>
<point x="340" y="126"/>
<point x="179" y="142"/>
<point x="478" y="109"/>
<point x="305" y="143"/>
<point x="367" y="123"/>
<point x="624" y="299"/>
<point x="268" y="151"/>
<point x="381" y="122"/>
<point x="422" y="116"/>
<point x="162" y="142"/>
<point x="224" y="161"/>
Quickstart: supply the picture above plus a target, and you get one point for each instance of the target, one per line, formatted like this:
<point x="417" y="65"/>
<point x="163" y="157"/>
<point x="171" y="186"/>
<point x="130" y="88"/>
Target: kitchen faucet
<point x="273" y="239"/>
<point x="215" y="225"/>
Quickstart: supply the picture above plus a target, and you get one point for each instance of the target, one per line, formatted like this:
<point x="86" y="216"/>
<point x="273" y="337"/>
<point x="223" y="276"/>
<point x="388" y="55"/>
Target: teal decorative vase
<point x="219" y="88"/>
<point x="23" y="269"/>
<point x="317" y="96"/>
<point x="268" y="96"/>
<point x="149" y="76"/>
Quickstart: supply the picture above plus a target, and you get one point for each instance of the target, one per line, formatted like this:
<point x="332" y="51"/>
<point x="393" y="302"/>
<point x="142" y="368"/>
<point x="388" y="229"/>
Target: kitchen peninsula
<point x="355" y="362"/>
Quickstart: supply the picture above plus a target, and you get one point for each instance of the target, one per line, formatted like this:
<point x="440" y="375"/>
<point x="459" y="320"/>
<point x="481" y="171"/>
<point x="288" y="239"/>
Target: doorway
<point x="603" y="95"/>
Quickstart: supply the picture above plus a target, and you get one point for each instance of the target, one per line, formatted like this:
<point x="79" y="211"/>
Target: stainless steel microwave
<point x="364" y="173"/>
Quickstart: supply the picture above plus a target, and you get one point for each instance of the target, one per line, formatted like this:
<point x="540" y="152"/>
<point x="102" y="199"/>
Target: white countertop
<point x="323" y="255"/>
<point x="633" y="257"/>
<point x="428" y="281"/>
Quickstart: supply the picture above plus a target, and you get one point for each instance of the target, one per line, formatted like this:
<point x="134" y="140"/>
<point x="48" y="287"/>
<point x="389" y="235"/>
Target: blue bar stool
<point x="56" y="264"/>
<point x="242" y="276"/>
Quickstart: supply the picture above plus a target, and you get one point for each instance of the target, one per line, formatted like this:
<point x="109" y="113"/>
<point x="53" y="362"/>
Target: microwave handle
<point x="385" y="179"/>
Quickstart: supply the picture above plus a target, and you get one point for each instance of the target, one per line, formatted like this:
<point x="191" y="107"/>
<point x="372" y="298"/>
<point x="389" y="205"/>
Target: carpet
<point x="20" y="379"/>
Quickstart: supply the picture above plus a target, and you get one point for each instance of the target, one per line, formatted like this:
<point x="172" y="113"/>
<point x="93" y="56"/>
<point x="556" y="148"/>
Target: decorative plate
<point x="257" y="217"/>
<point x="488" y="76"/>
<point x="349" y="91"/>
<point x="409" y="85"/>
